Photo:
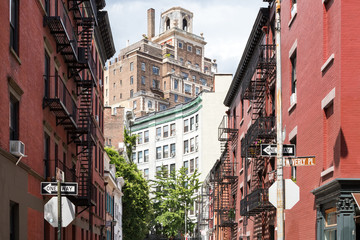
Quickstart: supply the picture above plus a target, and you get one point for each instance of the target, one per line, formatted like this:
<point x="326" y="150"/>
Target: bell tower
<point x="177" y="17"/>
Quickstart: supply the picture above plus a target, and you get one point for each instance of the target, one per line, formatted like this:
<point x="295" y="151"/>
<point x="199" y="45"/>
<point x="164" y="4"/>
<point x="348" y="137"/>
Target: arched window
<point x="167" y="24"/>
<point x="185" y="24"/>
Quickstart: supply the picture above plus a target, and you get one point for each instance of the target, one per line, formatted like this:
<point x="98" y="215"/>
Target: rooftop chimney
<point x="151" y="23"/>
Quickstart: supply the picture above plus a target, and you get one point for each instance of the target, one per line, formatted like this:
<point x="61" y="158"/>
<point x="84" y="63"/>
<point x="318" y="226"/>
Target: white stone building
<point x="185" y="135"/>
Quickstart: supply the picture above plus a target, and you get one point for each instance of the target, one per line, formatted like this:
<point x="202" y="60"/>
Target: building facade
<point x="181" y="136"/>
<point x="53" y="53"/>
<point x="319" y="110"/>
<point x="159" y="72"/>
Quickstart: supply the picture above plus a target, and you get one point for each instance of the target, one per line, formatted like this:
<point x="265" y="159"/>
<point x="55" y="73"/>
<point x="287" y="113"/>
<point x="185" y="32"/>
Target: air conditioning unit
<point x="172" y="155"/>
<point x="293" y="99"/>
<point x="17" y="148"/>
<point x="97" y="118"/>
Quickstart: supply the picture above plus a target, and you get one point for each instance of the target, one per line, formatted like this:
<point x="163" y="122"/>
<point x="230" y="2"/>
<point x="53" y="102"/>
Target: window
<point x="158" y="153"/>
<point x="185" y="75"/>
<point x="192" y="165"/>
<point x="14" y="25"/>
<point x="120" y="69"/>
<point x="164" y="85"/>
<point x="156" y="70"/>
<point x="192" y="124"/>
<point x="131" y="80"/>
<point x="293" y="73"/>
<point x="186" y="125"/>
<point x="131" y="93"/>
<point x="176" y="98"/>
<point x="165" y="168"/>
<point x="46" y="155"/>
<point x="146" y="173"/>
<point x="133" y="157"/>
<point x="140" y="138"/>
<point x="194" y="78"/>
<point x="143" y="66"/>
<point x="180" y="45"/>
<point x="242" y="108"/>
<point x="158" y="132"/>
<point x="14" y="220"/>
<point x="172" y="168"/>
<point x="162" y="107"/>
<point x="120" y="95"/>
<point x="176" y="84"/>
<point x="156" y="84"/>
<point x="330" y="224"/>
<point x="198" y="51"/>
<point x="172" y="150"/>
<point x="293" y="168"/>
<point x="149" y="104"/>
<point x="120" y="82"/>
<point x="186" y="146"/>
<point x="185" y="24"/>
<point x="172" y="129"/>
<point x="197" y="163"/>
<point x="140" y="157"/>
<point x="189" y="48"/>
<point x="114" y="72"/>
<point x="187" y="88"/>
<point x="293" y="8"/>
<point x="131" y="66"/>
<point x="197" y="119"/>
<point x="187" y="99"/>
<point x="158" y="171"/>
<point x="192" y="145"/>
<point x="134" y="104"/>
<point x="181" y="60"/>
<point x="114" y="85"/>
<point x="203" y="81"/>
<point x="146" y="136"/>
<point x="143" y="80"/>
<point x="146" y="155"/>
<point x="186" y="165"/>
<point x="197" y="90"/>
<point x="166" y="151"/>
<point x="106" y="92"/>
<point x="166" y="131"/>
<point x="14" y="118"/>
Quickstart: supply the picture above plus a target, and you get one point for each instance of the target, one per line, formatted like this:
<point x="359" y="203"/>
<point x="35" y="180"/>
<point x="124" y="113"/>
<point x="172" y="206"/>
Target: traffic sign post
<point x="269" y="150"/>
<point x="51" y="188"/>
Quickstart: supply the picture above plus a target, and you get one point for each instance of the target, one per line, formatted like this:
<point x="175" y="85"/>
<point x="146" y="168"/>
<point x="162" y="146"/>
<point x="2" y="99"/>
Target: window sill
<point x="241" y="122"/>
<point x="292" y="19"/>
<point x="16" y="56"/>
<point x="241" y="171"/>
<point x="327" y="171"/>
<point x="327" y="63"/>
<point x="249" y="109"/>
<point x="292" y="106"/>
<point x="293" y="102"/>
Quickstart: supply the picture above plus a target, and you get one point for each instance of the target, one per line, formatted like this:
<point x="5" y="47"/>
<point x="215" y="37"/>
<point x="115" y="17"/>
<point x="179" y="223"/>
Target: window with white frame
<point x="146" y="136"/>
<point x="186" y="165"/>
<point x="176" y="98"/>
<point x="166" y="131"/>
<point x="176" y="84"/>
<point x="192" y="123"/>
<point x="165" y="151"/>
<point x="131" y="66"/>
<point x="143" y="80"/>
<point x="197" y="90"/>
<point x="187" y="88"/>
<point x="172" y="150"/>
<point x="131" y="80"/>
<point x="293" y="73"/>
<point x="146" y="155"/>
<point x="140" y="157"/>
<point x="140" y="138"/>
<point x="192" y="165"/>
<point x="198" y="51"/>
<point x="143" y="66"/>
<point x="197" y="163"/>
<point x="186" y="146"/>
<point x="172" y="129"/>
<point x="158" y="132"/>
<point x="156" y="70"/>
<point x="158" y="153"/>
<point x="133" y="157"/>
<point x="172" y="168"/>
<point x="180" y="45"/>
<point x="146" y="173"/>
<point x="192" y="145"/>
<point x="186" y="125"/>
<point x="150" y="104"/>
<point x="134" y="104"/>
<point x="203" y="81"/>
<point x="189" y="48"/>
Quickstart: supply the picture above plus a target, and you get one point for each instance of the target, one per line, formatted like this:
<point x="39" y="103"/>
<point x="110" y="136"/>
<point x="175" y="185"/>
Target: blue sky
<point x="226" y="24"/>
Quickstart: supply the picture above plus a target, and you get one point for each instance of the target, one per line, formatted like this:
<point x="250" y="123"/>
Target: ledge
<point x="15" y="55"/>
<point x="241" y="122"/>
<point x="292" y="106"/>
<point x="327" y="171"/>
<point x="249" y="109"/>
<point x="292" y="19"/>
<point x="293" y="133"/>
<point x="327" y="63"/>
<point x="328" y="99"/>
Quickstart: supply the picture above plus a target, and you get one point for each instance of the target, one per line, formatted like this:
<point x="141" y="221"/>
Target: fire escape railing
<point x="59" y="100"/>
<point x="255" y="202"/>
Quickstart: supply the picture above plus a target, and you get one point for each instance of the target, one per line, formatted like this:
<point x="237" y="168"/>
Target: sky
<point x="226" y="24"/>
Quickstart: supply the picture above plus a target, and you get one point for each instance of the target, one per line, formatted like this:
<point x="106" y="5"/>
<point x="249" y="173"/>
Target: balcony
<point x="227" y="218"/>
<point x="89" y="7"/>
<point x="225" y="133"/>
<point x="255" y="203"/>
<point x="60" y="101"/>
<point x="61" y="28"/>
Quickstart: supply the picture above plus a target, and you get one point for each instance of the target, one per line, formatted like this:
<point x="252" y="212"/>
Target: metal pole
<point x="185" y="219"/>
<point x="59" y="209"/>
<point x="279" y="140"/>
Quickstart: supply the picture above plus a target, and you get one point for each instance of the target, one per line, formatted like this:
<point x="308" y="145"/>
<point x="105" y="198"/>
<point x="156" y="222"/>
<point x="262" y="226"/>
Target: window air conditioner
<point x="293" y="99"/>
<point x="17" y="148"/>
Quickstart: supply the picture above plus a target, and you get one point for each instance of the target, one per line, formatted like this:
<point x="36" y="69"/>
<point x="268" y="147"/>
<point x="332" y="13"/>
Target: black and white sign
<point x="67" y="188"/>
<point x="271" y="150"/>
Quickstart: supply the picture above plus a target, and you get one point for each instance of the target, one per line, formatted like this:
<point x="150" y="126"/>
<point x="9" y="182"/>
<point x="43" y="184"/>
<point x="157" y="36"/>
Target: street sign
<point x="67" y="188"/>
<point x="271" y="150"/>
<point x="300" y="161"/>
<point x="292" y="194"/>
<point x="67" y="211"/>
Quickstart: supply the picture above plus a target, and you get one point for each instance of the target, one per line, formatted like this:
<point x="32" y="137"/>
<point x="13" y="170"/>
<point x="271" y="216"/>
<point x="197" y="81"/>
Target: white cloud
<point x="226" y="24"/>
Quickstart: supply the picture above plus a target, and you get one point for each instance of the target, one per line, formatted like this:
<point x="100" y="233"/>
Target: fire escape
<point x="224" y="179"/>
<point x="72" y="26"/>
<point x="256" y="200"/>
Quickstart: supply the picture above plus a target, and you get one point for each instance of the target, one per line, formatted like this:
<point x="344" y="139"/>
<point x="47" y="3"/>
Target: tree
<point x="173" y="195"/>
<point x="136" y="200"/>
<point x="130" y="143"/>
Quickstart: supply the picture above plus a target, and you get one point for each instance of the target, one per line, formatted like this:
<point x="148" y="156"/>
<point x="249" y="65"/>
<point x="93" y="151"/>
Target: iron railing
<point x="255" y="202"/>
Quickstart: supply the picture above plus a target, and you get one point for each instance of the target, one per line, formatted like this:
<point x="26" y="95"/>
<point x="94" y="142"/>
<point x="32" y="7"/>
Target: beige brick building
<point x="161" y="71"/>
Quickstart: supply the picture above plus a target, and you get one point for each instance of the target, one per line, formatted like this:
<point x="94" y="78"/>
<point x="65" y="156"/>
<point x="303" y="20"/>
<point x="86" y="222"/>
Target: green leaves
<point x="136" y="201"/>
<point x="173" y="195"/>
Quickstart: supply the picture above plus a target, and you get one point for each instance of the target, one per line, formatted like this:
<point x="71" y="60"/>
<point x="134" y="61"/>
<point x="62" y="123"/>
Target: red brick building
<point x="319" y="110"/>
<point x="51" y="100"/>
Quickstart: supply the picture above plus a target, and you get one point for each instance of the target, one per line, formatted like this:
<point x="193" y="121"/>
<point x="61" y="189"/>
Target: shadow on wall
<point x="343" y="151"/>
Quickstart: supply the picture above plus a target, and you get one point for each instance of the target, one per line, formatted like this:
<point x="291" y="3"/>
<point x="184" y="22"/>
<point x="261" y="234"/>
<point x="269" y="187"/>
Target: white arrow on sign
<point x="49" y="188"/>
<point x="269" y="150"/>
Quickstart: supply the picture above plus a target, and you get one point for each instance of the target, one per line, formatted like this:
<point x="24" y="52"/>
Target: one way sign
<point x="67" y="188"/>
<point x="271" y="150"/>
